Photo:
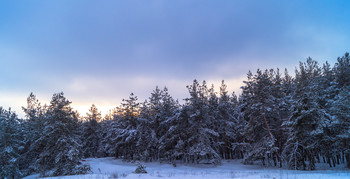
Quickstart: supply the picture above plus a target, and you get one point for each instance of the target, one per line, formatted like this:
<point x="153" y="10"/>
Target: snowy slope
<point x="111" y="168"/>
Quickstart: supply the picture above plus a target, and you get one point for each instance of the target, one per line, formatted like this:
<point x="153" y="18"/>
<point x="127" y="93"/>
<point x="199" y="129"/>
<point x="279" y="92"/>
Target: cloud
<point x="100" y="52"/>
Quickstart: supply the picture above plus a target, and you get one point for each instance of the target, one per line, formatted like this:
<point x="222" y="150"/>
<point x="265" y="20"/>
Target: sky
<point x="98" y="52"/>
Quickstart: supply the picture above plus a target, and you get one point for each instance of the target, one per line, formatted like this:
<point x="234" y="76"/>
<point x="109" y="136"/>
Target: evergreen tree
<point x="91" y="130"/>
<point x="201" y="141"/>
<point x="225" y="121"/>
<point x="146" y="134"/>
<point x="260" y="110"/>
<point x="33" y="126"/>
<point x="11" y="144"/>
<point x="124" y="129"/>
<point x="61" y="149"/>
<point x="340" y="126"/>
<point x="308" y="121"/>
<point x="109" y="129"/>
<point x="339" y="107"/>
<point x="191" y="137"/>
<point x="174" y="143"/>
<point x="342" y="71"/>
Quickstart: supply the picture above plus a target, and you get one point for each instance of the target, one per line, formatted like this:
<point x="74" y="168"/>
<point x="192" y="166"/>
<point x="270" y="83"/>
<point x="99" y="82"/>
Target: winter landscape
<point x="112" y="168"/>
<point x="284" y="122"/>
<point x="174" y="89"/>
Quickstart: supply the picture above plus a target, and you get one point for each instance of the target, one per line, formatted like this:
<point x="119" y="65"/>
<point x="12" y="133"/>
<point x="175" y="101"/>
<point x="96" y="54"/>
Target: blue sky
<point x="101" y="51"/>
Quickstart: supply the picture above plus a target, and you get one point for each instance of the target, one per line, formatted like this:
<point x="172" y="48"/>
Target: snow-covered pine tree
<point x="281" y="106"/>
<point x="91" y="132"/>
<point x="33" y="126"/>
<point x="124" y="130"/>
<point x="325" y="94"/>
<point x="190" y="136"/>
<point x="242" y="143"/>
<point x="152" y="111"/>
<point x="239" y="143"/>
<point x="11" y="145"/>
<point x="308" y="121"/>
<point x="146" y="134"/>
<point x="173" y="144"/>
<point x="225" y="121"/>
<point x="169" y="107"/>
<point x="342" y="71"/>
<point x="340" y="126"/>
<point x="109" y="129"/>
<point x="201" y="141"/>
<point x="340" y="108"/>
<point x="61" y="149"/>
<point x="167" y="110"/>
<point x="259" y="109"/>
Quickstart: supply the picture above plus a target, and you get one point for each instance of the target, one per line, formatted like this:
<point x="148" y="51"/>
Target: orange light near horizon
<point x="102" y="108"/>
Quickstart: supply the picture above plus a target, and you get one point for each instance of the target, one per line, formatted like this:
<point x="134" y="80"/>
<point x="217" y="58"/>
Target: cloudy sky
<point x="101" y="51"/>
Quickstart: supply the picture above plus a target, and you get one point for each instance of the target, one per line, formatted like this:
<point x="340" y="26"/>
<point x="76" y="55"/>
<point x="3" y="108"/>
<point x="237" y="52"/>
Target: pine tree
<point x="146" y="134"/>
<point x="173" y="144"/>
<point x="259" y="109"/>
<point x="339" y="107"/>
<point x="61" y="149"/>
<point x="225" y="121"/>
<point x="152" y="114"/>
<point x="166" y="111"/>
<point x="91" y="132"/>
<point x="340" y="127"/>
<point x="125" y="129"/>
<point x="33" y="126"/>
<point x="280" y="110"/>
<point x="201" y="141"/>
<point x="10" y="144"/>
<point x="308" y="121"/>
<point x="109" y="129"/>
<point x="342" y="71"/>
<point x="109" y="132"/>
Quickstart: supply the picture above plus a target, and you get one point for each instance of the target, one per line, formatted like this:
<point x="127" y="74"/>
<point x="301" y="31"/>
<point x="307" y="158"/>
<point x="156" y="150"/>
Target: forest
<point x="278" y="120"/>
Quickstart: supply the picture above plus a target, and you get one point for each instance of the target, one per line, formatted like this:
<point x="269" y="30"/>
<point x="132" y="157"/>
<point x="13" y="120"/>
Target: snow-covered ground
<point x="104" y="168"/>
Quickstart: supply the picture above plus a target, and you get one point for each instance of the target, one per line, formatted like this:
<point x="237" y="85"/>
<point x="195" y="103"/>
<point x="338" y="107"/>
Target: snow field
<point x="105" y="168"/>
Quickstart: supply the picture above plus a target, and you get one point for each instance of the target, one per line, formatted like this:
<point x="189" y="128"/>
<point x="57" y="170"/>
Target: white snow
<point x="104" y="168"/>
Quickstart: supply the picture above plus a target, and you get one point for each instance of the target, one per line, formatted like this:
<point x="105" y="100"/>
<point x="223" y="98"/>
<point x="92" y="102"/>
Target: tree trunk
<point x="347" y="156"/>
<point x="334" y="161"/>
<point x="267" y="127"/>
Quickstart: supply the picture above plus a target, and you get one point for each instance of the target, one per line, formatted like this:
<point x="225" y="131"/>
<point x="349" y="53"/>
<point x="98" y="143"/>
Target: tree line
<point x="278" y="120"/>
